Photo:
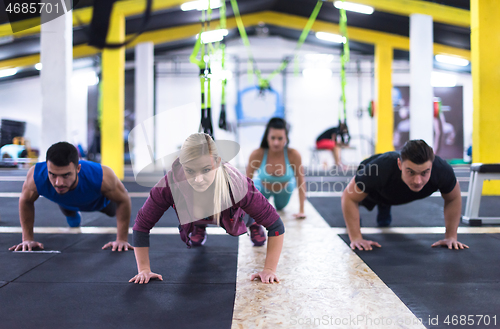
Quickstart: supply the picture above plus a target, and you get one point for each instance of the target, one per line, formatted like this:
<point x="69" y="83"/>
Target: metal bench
<point x="478" y="173"/>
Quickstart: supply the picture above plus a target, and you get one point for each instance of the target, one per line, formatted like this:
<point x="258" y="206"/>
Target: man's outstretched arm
<point x="452" y="213"/>
<point x="27" y="200"/>
<point x="113" y="189"/>
<point x="351" y="197"/>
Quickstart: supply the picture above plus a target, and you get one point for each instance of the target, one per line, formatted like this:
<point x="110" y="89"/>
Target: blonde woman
<point x="204" y="190"/>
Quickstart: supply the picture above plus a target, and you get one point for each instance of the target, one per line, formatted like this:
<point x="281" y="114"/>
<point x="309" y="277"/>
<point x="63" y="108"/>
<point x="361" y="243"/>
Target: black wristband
<point x="140" y="239"/>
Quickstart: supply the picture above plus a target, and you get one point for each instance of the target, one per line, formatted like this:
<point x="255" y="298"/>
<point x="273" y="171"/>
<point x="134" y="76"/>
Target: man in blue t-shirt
<point x="75" y="186"/>
<point x="390" y="179"/>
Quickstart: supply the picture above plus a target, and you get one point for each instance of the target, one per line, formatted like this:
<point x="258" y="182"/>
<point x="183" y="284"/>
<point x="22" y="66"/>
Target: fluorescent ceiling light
<point x="38" y="66"/>
<point x="330" y="37"/>
<point x="7" y="72"/>
<point x="362" y="9"/>
<point x="452" y="60"/>
<point x="7" y="39"/>
<point x="213" y="36"/>
<point x="439" y="79"/>
<point x="317" y="73"/>
<point x="200" y="5"/>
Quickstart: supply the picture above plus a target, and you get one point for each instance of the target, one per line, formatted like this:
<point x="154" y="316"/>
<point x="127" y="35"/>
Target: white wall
<point x="21" y="100"/>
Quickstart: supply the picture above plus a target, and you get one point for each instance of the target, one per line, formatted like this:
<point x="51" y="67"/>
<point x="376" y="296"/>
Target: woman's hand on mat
<point x="363" y="244"/>
<point x="118" y="245"/>
<point x="28" y="245"/>
<point x="300" y="215"/>
<point x="451" y="244"/>
<point x="144" y="276"/>
<point x="266" y="276"/>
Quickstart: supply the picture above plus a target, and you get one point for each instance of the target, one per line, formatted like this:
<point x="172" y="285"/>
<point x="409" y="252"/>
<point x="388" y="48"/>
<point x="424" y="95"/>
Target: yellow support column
<point x="383" y="105"/>
<point x="485" y="47"/>
<point x="113" y="98"/>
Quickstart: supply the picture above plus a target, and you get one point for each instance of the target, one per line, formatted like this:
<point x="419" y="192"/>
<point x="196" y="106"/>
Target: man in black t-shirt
<point x="390" y="179"/>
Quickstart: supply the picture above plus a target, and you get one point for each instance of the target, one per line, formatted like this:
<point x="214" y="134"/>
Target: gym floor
<point x="324" y="284"/>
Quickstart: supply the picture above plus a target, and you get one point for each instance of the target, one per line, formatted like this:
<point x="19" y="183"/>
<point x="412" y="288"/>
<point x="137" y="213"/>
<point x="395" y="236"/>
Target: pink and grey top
<point x="174" y="191"/>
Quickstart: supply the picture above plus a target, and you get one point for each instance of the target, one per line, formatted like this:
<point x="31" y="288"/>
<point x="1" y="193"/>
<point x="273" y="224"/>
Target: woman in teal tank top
<point x="279" y="168"/>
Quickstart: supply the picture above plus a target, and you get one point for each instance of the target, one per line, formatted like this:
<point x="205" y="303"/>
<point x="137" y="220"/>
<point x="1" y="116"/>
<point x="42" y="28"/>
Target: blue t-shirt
<point x="86" y="196"/>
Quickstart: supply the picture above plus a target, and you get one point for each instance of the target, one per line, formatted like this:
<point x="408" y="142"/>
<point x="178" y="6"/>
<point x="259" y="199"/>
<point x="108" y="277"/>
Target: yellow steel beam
<point x="113" y="98"/>
<point x="267" y="17"/>
<point x="440" y="13"/>
<point x="485" y="81"/>
<point x="355" y="33"/>
<point x="383" y="106"/>
<point x="84" y="15"/>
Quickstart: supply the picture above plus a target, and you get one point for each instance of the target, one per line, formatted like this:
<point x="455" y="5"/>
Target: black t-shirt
<point x="380" y="177"/>
<point x="328" y="134"/>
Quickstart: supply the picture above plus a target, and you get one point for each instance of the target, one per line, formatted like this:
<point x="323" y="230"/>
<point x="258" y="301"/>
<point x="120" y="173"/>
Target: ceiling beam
<point x="267" y="17"/>
<point x="440" y="13"/>
<point x="83" y="16"/>
<point x="356" y="33"/>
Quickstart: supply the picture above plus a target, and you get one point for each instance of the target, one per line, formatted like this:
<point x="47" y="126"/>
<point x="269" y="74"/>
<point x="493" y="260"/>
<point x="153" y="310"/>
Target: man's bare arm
<point x="113" y="189"/>
<point x="27" y="200"/>
<point x="351" y="197"/>
<point x="452" y="213"/>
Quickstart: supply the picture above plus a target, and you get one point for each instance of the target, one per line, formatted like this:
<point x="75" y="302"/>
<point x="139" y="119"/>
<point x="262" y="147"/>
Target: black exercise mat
<point x="13" y="172"/>
<point x="81" y="259"/>
<point x="161" y="243"/>
<point x="15" y="264"/>
<point x="6" y="186"/>
<point x="421" y="213"/>
<point x="197" y="265"/>
<point x="117" y="305"/>
<point x="437" y="282"/>
<point x="86" y="287"/>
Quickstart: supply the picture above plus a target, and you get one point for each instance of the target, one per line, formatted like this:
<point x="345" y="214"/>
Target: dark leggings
<point x="109" y="210"/>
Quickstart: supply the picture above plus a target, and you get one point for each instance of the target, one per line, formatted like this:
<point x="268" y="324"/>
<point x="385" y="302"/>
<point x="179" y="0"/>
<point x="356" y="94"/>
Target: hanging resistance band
<point x="305" y="33"/>
<point x="222" y="116"/>
<point x="344" y="58"/>
<point x="263" y="82"/>
<point x="204" y="66"/>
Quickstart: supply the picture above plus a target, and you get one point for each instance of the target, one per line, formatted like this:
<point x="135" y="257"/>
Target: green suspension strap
<point x="223" y="25"/>
<point x="264" y="83"/>
<point x="343" y="81"/>
<point x="305" y="33"/>
<point x="204" y="65"/>
<point x="206" y="115"/>
<point x="246" y="42"/>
